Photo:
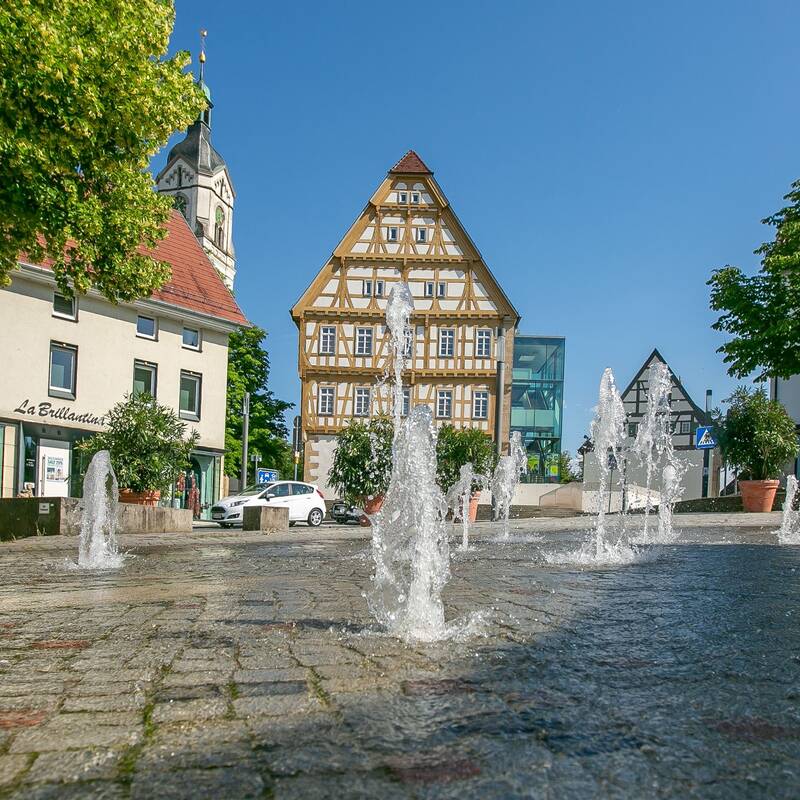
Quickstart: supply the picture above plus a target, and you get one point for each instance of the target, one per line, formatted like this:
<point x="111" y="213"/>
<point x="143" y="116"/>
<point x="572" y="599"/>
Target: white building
<point x="67" y="362"/>
<point x="196" y="175"/>
<point x="686" y="416"/>
<point x="788" y="392"/>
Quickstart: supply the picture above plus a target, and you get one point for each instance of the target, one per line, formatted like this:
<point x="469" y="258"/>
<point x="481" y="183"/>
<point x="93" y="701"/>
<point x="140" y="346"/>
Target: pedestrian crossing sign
<point x="705" y="439"/>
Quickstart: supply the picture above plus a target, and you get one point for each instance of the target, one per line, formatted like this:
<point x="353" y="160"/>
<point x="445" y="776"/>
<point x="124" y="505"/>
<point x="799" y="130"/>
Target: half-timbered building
<point x="408" y="232"/>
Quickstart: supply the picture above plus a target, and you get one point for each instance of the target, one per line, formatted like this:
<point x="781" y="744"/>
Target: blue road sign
<point x="705" y="438"/>
<point x="267" y="475"/>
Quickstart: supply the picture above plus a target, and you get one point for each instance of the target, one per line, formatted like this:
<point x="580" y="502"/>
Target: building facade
<point x="407" y="232"/>
<point x="686" y="415"/>
<point x="68" y="361"/>
<point x="197" y="178"/>
<point x="537" y="403"/>
<point x="788" y="392"/>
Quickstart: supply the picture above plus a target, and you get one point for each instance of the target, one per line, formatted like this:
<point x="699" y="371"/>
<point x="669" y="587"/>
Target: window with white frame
<point x="363" y="341"/>
<point x="441" y="289"/>
<point x="63" y="370"/>
<point x="327" y="340"/>
<point x="325" y="400"/>
<point x="361" y="401"/>
<point x="366" y="288"/>
<point x="415" y="197"/>
<point x="402" y="197"/>
<point x="144" y="378"/>
<point x="480" y="405"/>
<point x="65" y="307"/>
<point x="444" y="403"/>
<point x="189" y="399"/>
<point x="685" y="426"/>
<point x="406" y="409"/>
<point x="146" y="327"/>
<point x="447" y="342"/>
<point x="428" y="288"/>
<point x="379" y="288"/>
<point x="191" y="338"/>
<point x="483" y="344"/>
<point x="422" y="234"/>
<point x="408" y="344"/>
<point x="392" y="234"/>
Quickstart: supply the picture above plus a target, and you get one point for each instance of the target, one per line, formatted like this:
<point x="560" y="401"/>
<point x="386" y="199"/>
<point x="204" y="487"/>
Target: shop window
<point x="65" y="307"/>
<point x="191" y="338"/>
<point x="146" y="327"/>
<point x="189" y="402"/>
<point x="63" y="369"/>
<point x="144" y="378"/>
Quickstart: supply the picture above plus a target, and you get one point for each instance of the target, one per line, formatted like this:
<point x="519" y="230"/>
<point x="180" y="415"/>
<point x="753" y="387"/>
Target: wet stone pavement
<point x="244" y="666"/>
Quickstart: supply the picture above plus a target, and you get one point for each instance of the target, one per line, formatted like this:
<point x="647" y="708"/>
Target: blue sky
<point x="603" y="156"/>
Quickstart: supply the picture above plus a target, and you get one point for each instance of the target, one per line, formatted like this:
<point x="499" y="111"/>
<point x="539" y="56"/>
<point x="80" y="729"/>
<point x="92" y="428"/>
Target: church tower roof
<point x="196" y="149"/>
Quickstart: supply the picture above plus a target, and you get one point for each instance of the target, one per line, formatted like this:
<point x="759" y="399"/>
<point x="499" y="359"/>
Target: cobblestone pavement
<point x="236" y="665"/>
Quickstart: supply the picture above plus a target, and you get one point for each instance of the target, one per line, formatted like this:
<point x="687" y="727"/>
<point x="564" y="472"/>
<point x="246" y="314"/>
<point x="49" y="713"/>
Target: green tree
<point x="756" y="435"/>
<point x="566" y="473"/>
<point x="87" y="97"/>
<point x="148" y="443"/>
<point x="362" y="461"/>
<point x="248" y="371"/>
<point x="458" y="446"/>
<point x="762" y="312"/>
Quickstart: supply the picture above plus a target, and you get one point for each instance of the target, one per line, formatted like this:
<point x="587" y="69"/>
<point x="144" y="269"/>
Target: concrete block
<point x="267" y="519"/>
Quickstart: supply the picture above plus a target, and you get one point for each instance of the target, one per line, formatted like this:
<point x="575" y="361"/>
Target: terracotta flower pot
<point x="758" y="495"/>
<point x="473" y="506"/>
<point x="150" y="498"/>
<point x="371" y="505"/>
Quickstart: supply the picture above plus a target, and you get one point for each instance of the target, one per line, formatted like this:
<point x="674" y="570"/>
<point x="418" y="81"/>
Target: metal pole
<point x="706" y="452"/>
<point x="296" y="444"/>
<point x="498" y="405"/>
<point x="245" y="435"/>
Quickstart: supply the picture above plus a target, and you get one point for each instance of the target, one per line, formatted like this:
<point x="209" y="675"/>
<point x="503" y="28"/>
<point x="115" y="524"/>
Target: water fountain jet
<point x="97" y="547"/>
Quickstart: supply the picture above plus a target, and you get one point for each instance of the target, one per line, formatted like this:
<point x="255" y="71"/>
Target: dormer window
<point x="219" y="228"/>
<point x="415" y="198"/>
<point x="392" y="234"/>
<point x="402" y="197"/>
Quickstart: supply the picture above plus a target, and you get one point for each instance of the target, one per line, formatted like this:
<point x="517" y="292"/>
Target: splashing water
<point x="409" y="538"/>
<point x="656" y="453"/>
<point x="97" y="548"/>
<point x="459" y="496"/>
<point x="506" y="478"/>
<point x="789" y="532"/>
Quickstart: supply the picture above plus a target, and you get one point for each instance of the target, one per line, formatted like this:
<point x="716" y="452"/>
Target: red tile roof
<point x="195" y="284"/>
<point x="411" y="163"/>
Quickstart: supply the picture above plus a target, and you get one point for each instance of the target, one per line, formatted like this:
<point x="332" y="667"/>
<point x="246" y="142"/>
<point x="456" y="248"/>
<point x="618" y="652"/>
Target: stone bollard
<point x="267" y="519"/>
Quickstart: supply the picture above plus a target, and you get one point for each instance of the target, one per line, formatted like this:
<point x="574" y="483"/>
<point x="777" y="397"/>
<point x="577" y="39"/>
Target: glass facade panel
<point x="537" y="402"/>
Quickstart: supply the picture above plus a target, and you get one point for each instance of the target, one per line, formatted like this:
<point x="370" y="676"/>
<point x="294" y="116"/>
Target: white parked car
<point x="305" y="502"/>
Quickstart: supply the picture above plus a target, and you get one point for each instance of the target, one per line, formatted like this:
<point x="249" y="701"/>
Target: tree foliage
<point x="762" y="312"/>
<point x="87" y="97"/>
<point x="458" y="446"/>
<point x="362" y="462"/>
<point x="248" y="371"/>
<point x="565" y="468"/>
<point x="148" y="443"/>
<point x="756" y="435"/>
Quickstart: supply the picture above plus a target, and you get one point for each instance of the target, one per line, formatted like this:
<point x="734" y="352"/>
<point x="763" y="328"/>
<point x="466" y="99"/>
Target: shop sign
<point x="59" y="413"/>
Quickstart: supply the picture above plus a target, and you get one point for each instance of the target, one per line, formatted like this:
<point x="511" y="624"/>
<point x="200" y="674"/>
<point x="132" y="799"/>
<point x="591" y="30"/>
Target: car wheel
<point x="225" y="525"/>
<point x="315" y="518"/>
<point x="292" y="523"/>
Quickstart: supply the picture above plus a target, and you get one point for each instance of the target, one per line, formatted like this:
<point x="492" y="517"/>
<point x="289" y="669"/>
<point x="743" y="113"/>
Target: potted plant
<point x="149" y="447"/>
<point x="362" y="463"/>
<point x="458" y="446"/>
<point x="757" y="437"/>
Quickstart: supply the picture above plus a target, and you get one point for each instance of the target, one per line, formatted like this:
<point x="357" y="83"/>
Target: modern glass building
<point x="537" y="402"/>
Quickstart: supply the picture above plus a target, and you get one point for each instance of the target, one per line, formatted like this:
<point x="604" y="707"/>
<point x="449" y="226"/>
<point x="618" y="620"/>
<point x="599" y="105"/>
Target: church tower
<point x="197" y="177"/>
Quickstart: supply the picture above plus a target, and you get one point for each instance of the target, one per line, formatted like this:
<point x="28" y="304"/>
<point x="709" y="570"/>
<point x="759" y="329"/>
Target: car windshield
<point x="256" y="488"/>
